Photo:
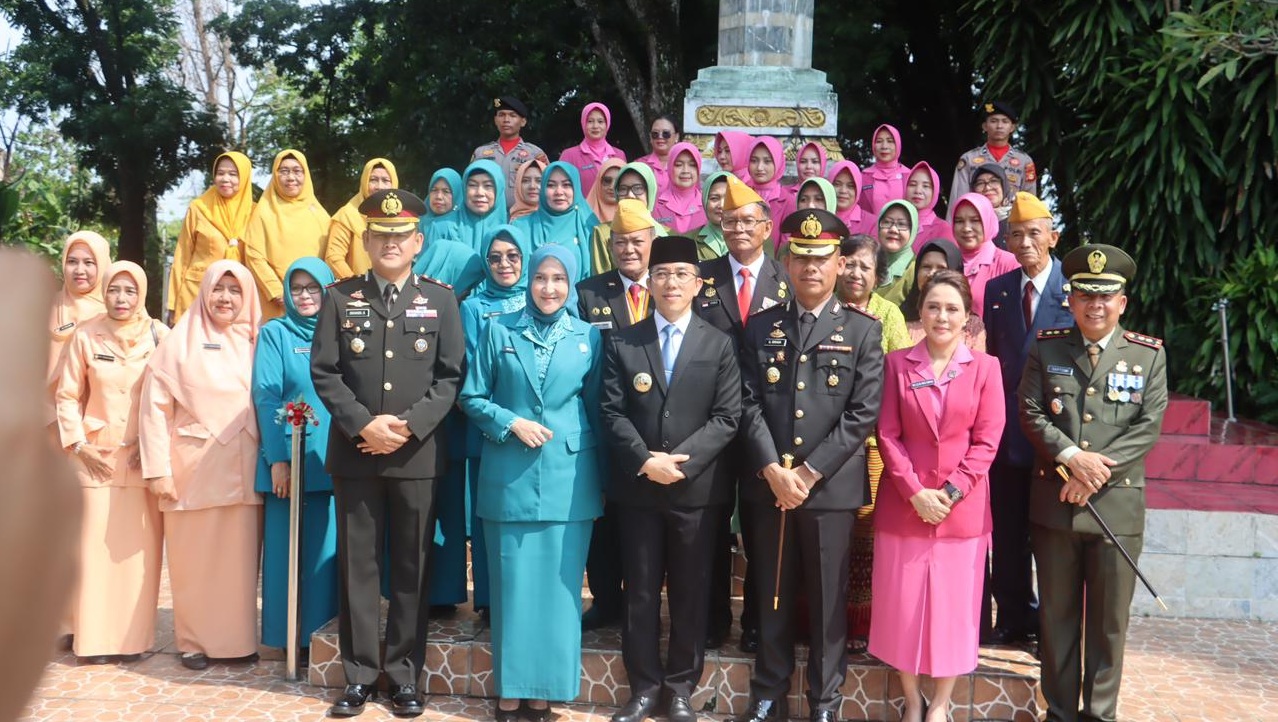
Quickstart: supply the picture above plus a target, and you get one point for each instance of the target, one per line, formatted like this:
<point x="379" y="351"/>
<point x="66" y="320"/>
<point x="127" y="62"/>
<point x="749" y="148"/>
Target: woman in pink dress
<point x="846" y="179"/>
<point x="921" y="190"/>
<point x="884" y="180"/>
<point x="767" y="165"/>
<point x="679" y="204"/>
<point x="589" y="155"/>
<point x="939" y="429"/>
<point x="732" y="152"/>
<point x="810" y="163"/>
<point x="975" y="226"/>
<point x="664" y="133"/>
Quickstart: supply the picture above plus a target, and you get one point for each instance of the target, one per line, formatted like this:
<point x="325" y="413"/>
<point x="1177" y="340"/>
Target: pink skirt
<point x="927" y="603"/>
<point x="213" y="555"/>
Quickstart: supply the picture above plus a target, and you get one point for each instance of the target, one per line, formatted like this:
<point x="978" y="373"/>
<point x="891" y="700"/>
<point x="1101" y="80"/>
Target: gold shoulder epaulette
<point x="435" y="281"/>
<point x="1055" y="333"/>
<point x="1143" y="340"/>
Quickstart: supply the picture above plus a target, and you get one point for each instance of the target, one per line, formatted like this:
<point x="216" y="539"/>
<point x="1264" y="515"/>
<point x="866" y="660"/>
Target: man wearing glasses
<point x="387" y="363"/>
<point x="737" y="285"/>
<point x="671" y="401"/>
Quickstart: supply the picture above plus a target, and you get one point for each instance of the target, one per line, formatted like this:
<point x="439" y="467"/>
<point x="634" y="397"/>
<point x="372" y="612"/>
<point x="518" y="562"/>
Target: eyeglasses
<point x="886" y="225"/>
<point x="663" y="134"/>
<point x="636" y="190"/>
<point x="311" y="290"/>
<point x="289" y="172"/>
<point x="740" y="224"/>
<point x="986" y="184"/>
<point x="681" y="276"/>
<point x="495" y="259"/>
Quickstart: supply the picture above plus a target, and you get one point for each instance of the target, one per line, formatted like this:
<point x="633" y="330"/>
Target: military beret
<point x="673" y="249"/>
<point x="1026" y="207"/>
<point x="632" y="215"/>
<point x="1098" y="268"/>
<point x="510" y="102"/>
<point x="998" y="107"/>
<point x="393" y="210"/>
<point x="739" y="195"/>
<point x="814" y="232"/>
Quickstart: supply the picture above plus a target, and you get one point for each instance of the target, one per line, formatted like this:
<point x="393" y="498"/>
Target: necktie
<point x="1093" y="354"/>
<point x="389" y="295"/>
<point x="638" y="303"/>
<point x="807" y="322"/>
<point x="1027" y="306"/>
<point x="670" y="349"/>
<point x="744" y="294"/>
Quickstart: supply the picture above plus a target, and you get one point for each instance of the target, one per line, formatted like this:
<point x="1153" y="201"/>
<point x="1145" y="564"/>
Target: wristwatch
<point x="952" y="492"/>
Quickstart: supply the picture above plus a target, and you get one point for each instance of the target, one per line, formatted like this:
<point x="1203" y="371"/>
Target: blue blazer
<point x="282" y="373"/>
<point x="563" y="480"/>
<point x="1007" y="340"/>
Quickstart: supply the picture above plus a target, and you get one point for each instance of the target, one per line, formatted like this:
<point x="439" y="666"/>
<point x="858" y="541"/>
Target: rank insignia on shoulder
<point x="435" y="281"/>
<point x="1055" y="333"/>
<point x="861" y="311"/>
<point x="1143" y="340"/>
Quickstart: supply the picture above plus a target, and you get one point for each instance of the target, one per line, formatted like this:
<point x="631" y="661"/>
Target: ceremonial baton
<point x="298" y="420"/>
<point x="787" y="462"/>
<point x="1064" y="472"/>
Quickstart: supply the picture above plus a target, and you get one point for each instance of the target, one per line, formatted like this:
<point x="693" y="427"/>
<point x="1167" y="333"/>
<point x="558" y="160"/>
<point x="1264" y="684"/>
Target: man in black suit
<point x="610" y="301"/>
<point x="813" y="375"/>
<point x="672" y="399"/>
<point x="742" y="283"/>
<point x="387" y="363"/>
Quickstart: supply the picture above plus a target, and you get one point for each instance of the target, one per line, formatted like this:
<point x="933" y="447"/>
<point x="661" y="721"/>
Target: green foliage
<point x="1151" y="147"/>
<point x="1250" y="285"/>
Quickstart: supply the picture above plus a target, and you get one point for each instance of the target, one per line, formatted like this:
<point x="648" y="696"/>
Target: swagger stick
<point x="1064" y="472"/>
<point x="298" y="422"/>
<point x="787" y="461"/>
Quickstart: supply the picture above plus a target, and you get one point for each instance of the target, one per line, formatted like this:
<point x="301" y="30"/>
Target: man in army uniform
<point x="510" y="150"/>
<point x="999" y="126"/>
<point x="813" y="375"/>
<point x="1091" y="402"/>
<point x="387" y="363"/>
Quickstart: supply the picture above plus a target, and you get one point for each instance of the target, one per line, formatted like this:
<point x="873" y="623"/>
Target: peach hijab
<point x="207" y="366"/>
<point x="71" y="308"/>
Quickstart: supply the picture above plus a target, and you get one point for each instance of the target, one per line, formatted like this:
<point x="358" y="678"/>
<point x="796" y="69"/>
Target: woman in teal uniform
<point x="282" y="373"/>
<point x="563" y="216"/>
<point x="540" y="486"/>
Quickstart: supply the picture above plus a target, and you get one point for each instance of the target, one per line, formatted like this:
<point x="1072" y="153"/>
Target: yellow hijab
<point x="229" y="215"/>
<point x="349" y="213"/>
<point x="285" y="218"/>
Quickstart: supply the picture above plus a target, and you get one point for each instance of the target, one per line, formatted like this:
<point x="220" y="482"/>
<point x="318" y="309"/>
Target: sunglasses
<point x="663" y="134"/>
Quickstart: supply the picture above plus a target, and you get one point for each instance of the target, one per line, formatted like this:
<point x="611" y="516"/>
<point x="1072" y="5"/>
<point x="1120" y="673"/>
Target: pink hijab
<point x="589" y="155"/>
<point x="680" y="209"/>
<point x="739" y="145"/>
<point x="207" y="366"/>
<point x="988" y="260"/>
<point x="931" y="226"/>
<point x="821" y="155"/>
<point x="856" y="219"/>
<point x="883" y="181"/>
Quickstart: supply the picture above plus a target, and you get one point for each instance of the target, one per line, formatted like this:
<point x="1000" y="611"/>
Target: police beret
<point x="1098" y="268"/>
<point x="510" y="102"/>
<point x="998" y="107"/>
<point x="392" y="211"/>
<point x="673" y="249"/>
<point x="814" y="232"/>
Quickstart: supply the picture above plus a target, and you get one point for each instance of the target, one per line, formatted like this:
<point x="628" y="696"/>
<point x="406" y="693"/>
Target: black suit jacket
<point x="601" y="302"/>
<point x="818" y="401"/>
<point x="717" y="302"/>
<point x="697" y="415"/>
<point x="408" y="361"/>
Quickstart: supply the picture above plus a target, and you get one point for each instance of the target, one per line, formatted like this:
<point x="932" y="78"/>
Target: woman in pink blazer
<point x="942" y="418"/>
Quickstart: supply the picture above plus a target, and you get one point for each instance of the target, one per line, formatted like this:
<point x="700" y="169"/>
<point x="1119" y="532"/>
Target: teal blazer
<point x="282" y="373"/>
<point x="563" y="480"/>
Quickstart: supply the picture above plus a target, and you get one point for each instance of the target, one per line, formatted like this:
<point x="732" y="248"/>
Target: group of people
<point x="611" y="389"/>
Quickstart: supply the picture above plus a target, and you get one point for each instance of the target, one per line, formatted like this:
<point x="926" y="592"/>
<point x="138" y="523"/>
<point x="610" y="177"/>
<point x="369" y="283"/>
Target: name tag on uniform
<point x="708" y="304"/>
<point x="490" y="314"/>
<point x="774" y="342"/>
<point x="65" y="327"/>
<point x="212" y="347"/>
<point x="923" y="384"/>
<point x="421" y="313"/>
<point x="1062" y="370"/>
<point x="508" y="349"/>
<point x="301" y="349"/>
<point x="602" y="325"/>
<point x="357" y="313"/>
<point x="103" y="357"/>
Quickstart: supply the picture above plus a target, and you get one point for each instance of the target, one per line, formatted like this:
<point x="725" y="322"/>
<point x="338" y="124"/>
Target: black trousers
<point x="721" y="576"/>
<point x="399" y="513"/>
<point x="1011" y="579"/>
<point x="603" y="563"/>
<point x="817" y="552"/>
<point x="674" y="546"/>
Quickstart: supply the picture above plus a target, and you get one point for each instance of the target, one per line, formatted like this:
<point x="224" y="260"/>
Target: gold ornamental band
<point x="748" y="117"/>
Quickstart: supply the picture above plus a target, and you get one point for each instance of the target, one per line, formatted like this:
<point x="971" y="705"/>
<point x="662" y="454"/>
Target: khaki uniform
<point x="1017" y="164"/>
<point x="509" y="162"/>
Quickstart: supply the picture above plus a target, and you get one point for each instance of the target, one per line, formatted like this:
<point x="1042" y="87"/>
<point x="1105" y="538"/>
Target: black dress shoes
<point x="195" y="660"/>
<point x="762" y="710"/>
<point x="537" y="714"/>
<point x="715" y="638"/>
<point x="352" y="701"/>
<point x="749" y="640"/>
<point x="598" y="618"/>
<point x="680" y="710"/>
<point x="405" y="702"/>
<point x="94" y="660"/>
<point x="639" y="708"/>
<point x="823" y="715"/>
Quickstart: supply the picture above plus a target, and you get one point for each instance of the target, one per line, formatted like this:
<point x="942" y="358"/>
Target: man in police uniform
<point x="742" y="283"/>
<point x="1091" y="401"/>
<point x="813" y="375"/>
<point x="609" y="301"/>
<point x="387" y="363"/>
<point x="999" y="126"/>
<point x="510" y="150"/>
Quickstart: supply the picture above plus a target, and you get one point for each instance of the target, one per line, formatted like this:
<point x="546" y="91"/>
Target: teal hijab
<point x="441" y="225"/>
<point x="489" y="288"/>
<point x="304" y="326"/>
<point x="568" y="258"/>
<point x="472" y="229"/>
<point x="570" y="227"/>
